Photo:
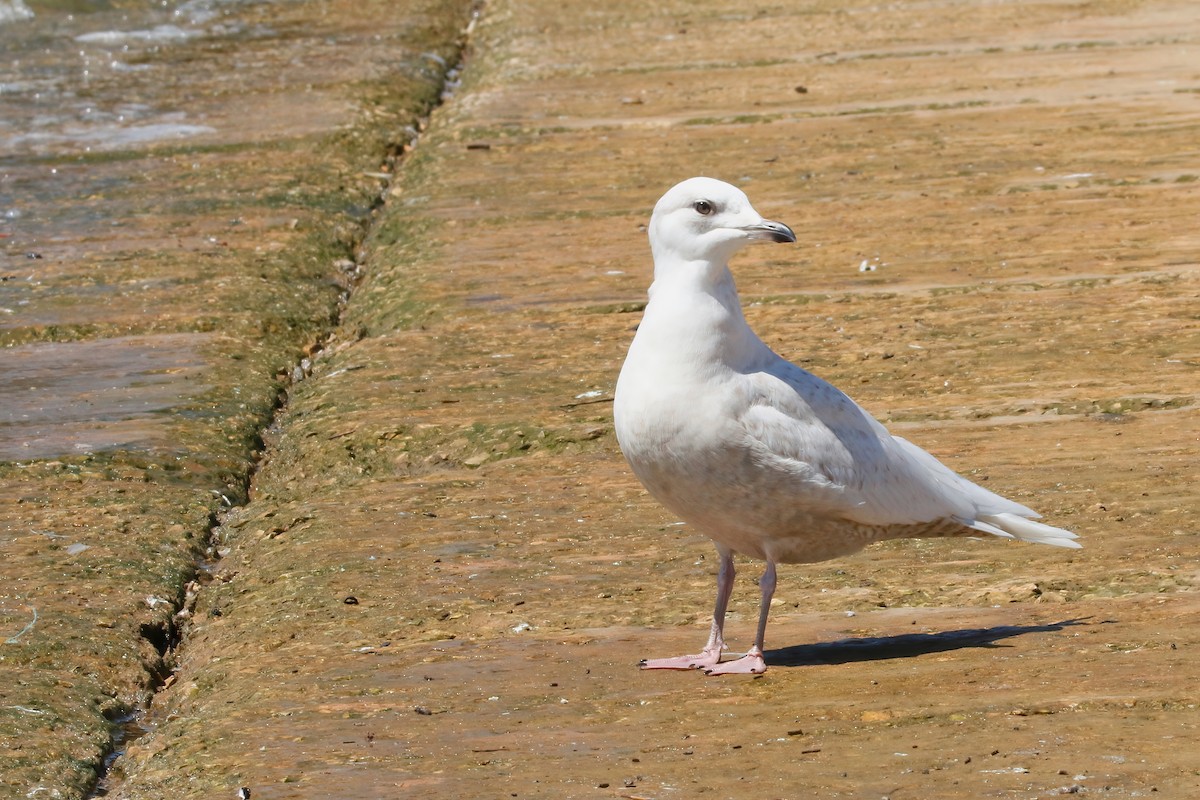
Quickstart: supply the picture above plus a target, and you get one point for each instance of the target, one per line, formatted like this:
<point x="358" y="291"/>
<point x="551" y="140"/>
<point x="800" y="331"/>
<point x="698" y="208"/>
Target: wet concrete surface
<point x="445" y="574"/>
<point x="79" y="398"/>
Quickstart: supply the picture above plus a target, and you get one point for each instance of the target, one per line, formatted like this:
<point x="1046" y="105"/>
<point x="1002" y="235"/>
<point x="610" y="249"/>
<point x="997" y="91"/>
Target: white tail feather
<point x="1012" y="526"/>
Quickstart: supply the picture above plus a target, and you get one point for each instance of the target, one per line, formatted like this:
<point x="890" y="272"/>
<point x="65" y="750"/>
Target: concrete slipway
<point x="442" y="576"/>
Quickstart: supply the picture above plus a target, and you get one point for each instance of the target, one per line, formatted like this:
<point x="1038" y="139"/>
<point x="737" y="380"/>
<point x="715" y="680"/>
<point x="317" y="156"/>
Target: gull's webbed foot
<point x="705" y="660"/>
<point x="750" y="664"/>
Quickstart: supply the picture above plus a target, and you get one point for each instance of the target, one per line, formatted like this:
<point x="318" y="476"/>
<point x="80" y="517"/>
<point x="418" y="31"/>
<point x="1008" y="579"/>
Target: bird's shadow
<point x="905" y="645"/>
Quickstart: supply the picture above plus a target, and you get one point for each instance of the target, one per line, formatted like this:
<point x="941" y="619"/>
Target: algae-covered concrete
<point x="445" y="575"/>
<point x="184" y="193"/>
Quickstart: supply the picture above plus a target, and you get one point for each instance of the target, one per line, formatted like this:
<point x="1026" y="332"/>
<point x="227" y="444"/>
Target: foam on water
<point x="14" y="11"/>
<point x="157" y="35"/>
<point x="109" y="137"/>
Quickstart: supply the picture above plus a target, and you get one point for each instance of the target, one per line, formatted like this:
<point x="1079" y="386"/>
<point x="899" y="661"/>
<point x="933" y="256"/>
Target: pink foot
<point x="749" y="664"/>
<point x="705" y="660"/>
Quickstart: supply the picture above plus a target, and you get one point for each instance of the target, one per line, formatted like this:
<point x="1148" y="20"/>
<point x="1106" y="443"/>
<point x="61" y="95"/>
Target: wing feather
<point x="844" y="462"/>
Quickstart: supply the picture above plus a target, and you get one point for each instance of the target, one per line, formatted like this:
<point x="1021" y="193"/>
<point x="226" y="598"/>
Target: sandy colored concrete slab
<point x="446" y="575"/>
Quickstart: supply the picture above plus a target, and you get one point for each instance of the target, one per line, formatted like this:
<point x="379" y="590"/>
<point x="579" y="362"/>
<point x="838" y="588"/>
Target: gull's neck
<point x="695" y="306"/>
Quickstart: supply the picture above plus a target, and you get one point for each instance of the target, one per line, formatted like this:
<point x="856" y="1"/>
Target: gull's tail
<point x="1011" y="526"/>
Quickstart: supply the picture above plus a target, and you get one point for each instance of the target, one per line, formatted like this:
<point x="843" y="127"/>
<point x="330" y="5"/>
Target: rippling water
<point x="75" y="80"/>
<point x="85" y="89"/>
<point x="66" y="68"/>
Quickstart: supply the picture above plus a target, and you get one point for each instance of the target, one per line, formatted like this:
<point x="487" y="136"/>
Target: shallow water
<point x="68" y="70"/>
<point x="81" y="105"/>
<point x="74" y="83"/>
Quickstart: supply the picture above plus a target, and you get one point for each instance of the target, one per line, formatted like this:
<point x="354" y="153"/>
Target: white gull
<point x="763" y="457"/>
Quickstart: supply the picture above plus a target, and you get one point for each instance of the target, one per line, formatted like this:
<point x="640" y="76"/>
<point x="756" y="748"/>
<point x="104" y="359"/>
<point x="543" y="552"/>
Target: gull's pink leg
<point x="753" y="663"/>
<point x="711" y="654"/>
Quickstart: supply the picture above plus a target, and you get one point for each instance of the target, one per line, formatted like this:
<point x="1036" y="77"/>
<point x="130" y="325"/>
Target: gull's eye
<point x="703" y="207"/>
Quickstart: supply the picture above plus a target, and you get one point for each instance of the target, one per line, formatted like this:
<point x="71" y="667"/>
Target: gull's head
<point x="703" y="219"/>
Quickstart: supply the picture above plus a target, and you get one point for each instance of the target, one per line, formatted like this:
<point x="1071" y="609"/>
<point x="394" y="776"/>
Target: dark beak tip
<point x="771" y="231"/>
<point x="784" y="235"/>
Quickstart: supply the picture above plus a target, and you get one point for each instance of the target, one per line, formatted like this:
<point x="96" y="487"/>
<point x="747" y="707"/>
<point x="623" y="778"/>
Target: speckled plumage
<point x="762" y="456"/>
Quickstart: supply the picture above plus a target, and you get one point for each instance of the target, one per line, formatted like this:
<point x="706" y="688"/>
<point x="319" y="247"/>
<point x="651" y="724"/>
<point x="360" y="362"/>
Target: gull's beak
<point x="770" y="231"/>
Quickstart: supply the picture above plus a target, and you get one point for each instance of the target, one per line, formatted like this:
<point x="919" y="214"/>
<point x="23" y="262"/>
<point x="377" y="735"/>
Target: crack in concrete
<point x="169" y="633"/>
